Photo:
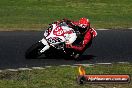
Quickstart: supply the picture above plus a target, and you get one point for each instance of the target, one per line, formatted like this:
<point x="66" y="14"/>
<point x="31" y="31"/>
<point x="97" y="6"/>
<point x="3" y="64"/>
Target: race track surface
<point x="109" y="46"/>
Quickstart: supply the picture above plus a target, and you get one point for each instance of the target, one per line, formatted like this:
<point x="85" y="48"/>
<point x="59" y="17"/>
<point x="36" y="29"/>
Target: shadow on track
<point x="86" y="57"/>
<point x="62" y="57"/>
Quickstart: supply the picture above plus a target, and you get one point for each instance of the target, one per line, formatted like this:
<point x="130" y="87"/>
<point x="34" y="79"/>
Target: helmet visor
<point x="83" y="25"/>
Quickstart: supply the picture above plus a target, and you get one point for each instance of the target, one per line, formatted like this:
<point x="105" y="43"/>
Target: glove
<point x="68" y="45"/>
<point x="67" y="21"/>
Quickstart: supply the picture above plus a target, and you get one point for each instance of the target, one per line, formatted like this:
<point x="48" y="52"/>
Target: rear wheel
<point x="34" y="51"/>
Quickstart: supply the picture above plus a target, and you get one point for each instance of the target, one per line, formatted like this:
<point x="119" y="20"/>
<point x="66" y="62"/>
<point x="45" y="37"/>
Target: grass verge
<point x="35" y="14"/>
<point x="62" y="77"/>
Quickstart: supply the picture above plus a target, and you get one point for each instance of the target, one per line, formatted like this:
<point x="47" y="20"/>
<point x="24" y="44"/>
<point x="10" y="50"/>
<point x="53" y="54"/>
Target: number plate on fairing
<point x="58" y="31"/>
<point x="54" y="40"/>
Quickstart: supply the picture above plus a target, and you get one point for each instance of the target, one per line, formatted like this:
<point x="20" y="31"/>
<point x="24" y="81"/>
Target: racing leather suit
<point x="84" y="40"/>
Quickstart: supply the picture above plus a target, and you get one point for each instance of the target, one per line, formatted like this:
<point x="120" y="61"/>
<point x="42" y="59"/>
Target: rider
<point x="85" y="35"/>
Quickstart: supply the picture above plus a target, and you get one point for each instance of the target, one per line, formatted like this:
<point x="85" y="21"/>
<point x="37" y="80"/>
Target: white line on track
<point x="84" y="65"/>
<point x="48" y="66"/>
<point x="74" y="65"/>
<point x="129" y="28"/>
<point x="104" y="63"/>
<point x="65" y="65"/>
<point x="12" y="70"/>
<point x="39" y="68"/>
<point x="22" y="69"/>
<point x="102" y="29"/>
<point x="123" y="62"/>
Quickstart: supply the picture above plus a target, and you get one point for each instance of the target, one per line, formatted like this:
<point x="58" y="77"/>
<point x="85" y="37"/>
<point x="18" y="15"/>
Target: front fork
<point x="46" y="47"/>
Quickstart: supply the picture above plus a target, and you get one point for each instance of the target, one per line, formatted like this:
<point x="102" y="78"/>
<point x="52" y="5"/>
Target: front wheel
<point x="34" y="50"/>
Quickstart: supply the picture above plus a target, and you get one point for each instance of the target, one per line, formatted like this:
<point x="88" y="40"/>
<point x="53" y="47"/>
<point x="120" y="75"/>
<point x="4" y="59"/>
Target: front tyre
<point x="34" y="50"/>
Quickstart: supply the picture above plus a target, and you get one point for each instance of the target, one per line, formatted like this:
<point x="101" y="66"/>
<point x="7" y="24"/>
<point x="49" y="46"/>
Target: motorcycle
<point x="54" y="42"/>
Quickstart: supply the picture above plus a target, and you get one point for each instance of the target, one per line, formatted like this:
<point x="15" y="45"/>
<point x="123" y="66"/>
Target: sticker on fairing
<point x="58" y="31"/>
<point x="54" y="40"/>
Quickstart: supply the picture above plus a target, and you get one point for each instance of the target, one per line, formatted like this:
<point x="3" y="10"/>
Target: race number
<point x="58" y="31"/>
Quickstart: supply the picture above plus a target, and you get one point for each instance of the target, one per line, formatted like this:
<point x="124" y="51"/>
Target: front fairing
<point x="51" y="37"/>
<point x="58" y="33"/>
<point x="48" y="31"/>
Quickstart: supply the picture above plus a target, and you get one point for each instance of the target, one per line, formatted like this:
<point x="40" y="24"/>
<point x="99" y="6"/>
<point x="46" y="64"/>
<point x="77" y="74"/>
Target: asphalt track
<point x="109" y="46"/>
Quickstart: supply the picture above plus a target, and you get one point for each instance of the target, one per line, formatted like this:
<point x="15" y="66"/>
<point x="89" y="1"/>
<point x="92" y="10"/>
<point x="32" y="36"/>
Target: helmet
<point x="84" y="24"/>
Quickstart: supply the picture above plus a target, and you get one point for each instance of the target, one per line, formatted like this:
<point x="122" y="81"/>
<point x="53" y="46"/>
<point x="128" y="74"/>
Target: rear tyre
<point x="34" y="51"/>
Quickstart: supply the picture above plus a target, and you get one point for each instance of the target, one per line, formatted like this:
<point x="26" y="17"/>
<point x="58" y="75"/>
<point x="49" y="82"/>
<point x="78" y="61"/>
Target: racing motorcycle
<point x="56" y="36"/>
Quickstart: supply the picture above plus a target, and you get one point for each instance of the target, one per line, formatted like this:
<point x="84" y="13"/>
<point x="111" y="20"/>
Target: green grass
<point x="62" y="77"/>
<point x="35" y="14"/>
